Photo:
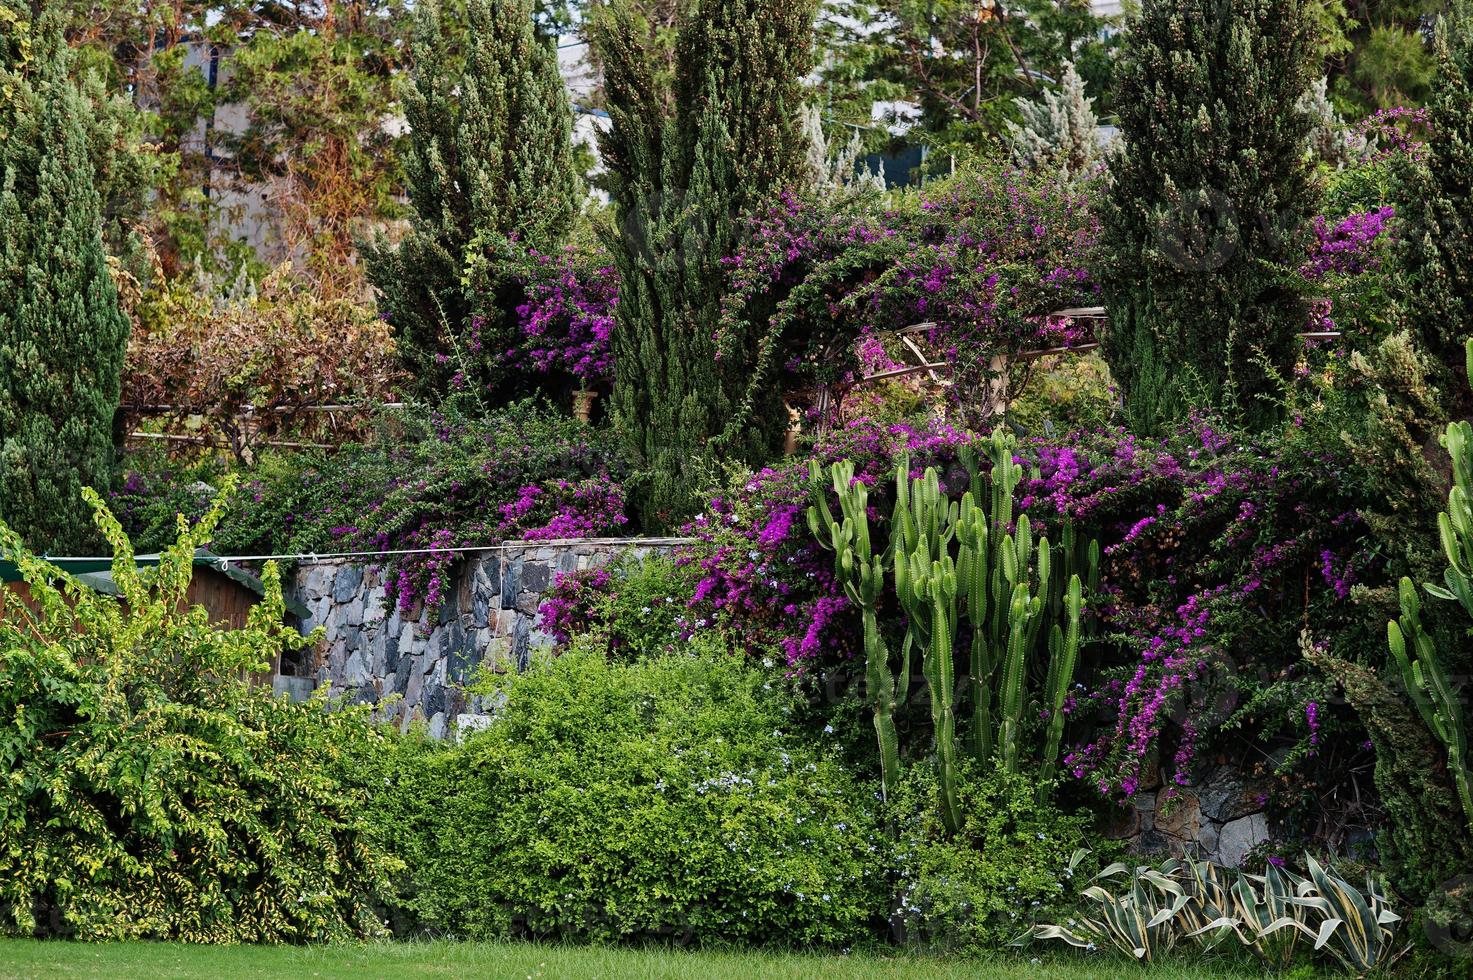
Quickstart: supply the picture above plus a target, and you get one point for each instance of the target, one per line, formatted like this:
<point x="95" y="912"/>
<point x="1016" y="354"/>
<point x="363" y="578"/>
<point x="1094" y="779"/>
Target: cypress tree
<point x="1208" y="198"/>
<point x="62" y="333"/>
<point x="489" y="163"/>
<point x="1438" y="201"/>
<point x="688" y="153"/>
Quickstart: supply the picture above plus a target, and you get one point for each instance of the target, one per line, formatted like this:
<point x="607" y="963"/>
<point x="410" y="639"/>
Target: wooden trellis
<point x="937" y="371"/>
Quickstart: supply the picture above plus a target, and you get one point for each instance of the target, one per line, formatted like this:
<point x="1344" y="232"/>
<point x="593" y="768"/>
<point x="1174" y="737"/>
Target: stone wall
<point x="1221" y="817"/>
<point x="425" y="657"/>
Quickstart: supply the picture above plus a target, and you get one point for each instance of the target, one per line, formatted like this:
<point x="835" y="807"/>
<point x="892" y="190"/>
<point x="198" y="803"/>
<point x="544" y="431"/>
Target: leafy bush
<point x="251" y="361"/>
<point x="653" y="798"/>
<point x="433" y="482"/>
<point x="1008" y="865"/>
<point x="636" y="609"/>
<point x="148" y="790"/>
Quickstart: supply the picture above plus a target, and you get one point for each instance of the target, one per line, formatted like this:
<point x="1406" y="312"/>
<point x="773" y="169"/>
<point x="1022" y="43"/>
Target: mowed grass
<point x="159" y="961"/>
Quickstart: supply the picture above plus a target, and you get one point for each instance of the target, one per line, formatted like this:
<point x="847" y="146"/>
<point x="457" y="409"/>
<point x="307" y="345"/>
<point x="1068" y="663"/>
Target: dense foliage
<point x="1207" y="202"/>
<point x="62" y="332"/>
<point x="1006" y="869"/>
<point x="1210" y="541"/>
<point x="1438" y="197"/>
<point x="429" y="484"/>
<point x="664" y="799"/>
<point x="256" y="363"/>
<point x="972" y="264"/>
<point x="148" y="791"/>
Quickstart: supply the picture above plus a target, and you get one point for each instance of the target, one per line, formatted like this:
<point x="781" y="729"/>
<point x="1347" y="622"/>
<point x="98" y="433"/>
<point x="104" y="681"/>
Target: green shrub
<point x="148" y="790"/>
<point x="1007" y="867"/>
<point x="658" y="798"/>
<point x="636" y="609"/>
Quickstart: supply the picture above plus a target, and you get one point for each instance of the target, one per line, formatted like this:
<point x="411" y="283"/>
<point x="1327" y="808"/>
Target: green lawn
<point x="145" y="961"/>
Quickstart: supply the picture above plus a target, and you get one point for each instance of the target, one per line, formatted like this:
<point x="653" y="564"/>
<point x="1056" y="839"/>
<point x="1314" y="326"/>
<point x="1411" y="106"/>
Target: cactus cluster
<point x="960" y="563"/>
<point x="1416" y="655"/>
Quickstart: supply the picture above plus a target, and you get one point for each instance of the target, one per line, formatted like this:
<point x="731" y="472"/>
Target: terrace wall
<point x="489" y="617"/>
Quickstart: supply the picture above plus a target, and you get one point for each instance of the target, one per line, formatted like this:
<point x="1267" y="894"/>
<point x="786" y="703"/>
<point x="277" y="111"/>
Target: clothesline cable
<point x="224" y="561"/>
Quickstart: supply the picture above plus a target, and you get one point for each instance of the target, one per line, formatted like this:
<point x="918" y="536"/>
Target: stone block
<point x="391" y="653"/>
<point x="1227" y="795"/>
<point x="355" y="670"/>
<point x="537" y="576"/>
<point x="511" y="583"/>
<point x="1178" y="816"/>
<point x="1239" y="837"/>
<point x="296" y="688"/>
<point x="466" y="724"/>
<point x="347" y="582"/>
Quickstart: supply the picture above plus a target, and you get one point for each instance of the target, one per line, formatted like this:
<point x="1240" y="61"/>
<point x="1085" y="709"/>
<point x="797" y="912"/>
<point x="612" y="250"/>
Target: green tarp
<point x="96" y="574"/>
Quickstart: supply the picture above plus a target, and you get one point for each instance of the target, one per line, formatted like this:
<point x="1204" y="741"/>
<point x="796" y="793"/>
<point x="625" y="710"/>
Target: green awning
<point x="97" y="574"/>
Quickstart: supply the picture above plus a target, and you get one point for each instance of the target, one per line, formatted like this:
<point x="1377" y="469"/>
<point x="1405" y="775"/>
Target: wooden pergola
<point x="997" y="367"/>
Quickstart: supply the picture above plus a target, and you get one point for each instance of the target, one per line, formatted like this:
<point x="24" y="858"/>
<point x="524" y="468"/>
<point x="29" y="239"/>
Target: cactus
<point x="1426" y="683"/>
<point x="921" y="530"/>
<point x="954" y="561"/>
<point x="863" y="576"/>
<point x="1431" y="694"/>
<point x="1063" y="644"/>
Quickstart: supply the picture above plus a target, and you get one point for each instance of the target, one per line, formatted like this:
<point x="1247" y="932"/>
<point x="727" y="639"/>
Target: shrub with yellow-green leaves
<point x="146" y="790"/>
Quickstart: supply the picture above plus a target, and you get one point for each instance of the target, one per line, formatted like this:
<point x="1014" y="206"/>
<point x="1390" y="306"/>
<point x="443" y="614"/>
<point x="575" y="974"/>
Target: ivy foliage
<point x="148" y="790"/>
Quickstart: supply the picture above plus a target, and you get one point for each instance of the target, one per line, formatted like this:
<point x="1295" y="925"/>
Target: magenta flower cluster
<point x="1349" y="246"/>
<point x="983" y="257"/>
<point x="568" y="316"/>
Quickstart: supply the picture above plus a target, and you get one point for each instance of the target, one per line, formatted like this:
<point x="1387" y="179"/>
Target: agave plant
<point x="1358" y="930"/>
<point x="1270" y="921"/>
<point x="1270" y="914"/>
<point x="1142" y="920"/>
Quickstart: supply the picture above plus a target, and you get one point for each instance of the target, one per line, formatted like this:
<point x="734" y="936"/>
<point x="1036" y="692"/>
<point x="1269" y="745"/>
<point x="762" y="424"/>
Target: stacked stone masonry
<point x="1221" y="817"/>
<point x="425" y="657"/>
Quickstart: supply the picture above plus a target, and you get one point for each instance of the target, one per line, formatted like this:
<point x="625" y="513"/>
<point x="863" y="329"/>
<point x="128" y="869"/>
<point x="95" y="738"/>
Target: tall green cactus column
<point x="1416" y="655"/>
<point x="921" y="530"/>
<point x="1430" y="691"/>
<point x="862" y="574"/>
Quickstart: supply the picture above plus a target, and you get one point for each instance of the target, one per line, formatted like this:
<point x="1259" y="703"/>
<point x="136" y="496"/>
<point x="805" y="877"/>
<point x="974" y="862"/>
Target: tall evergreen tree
<point x="1208" y="198"/>
<point x="688" y="154"/>
<point x="62" y="333"/>
<point x="1437" y="203"/>
<point x="490" y="162"/>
